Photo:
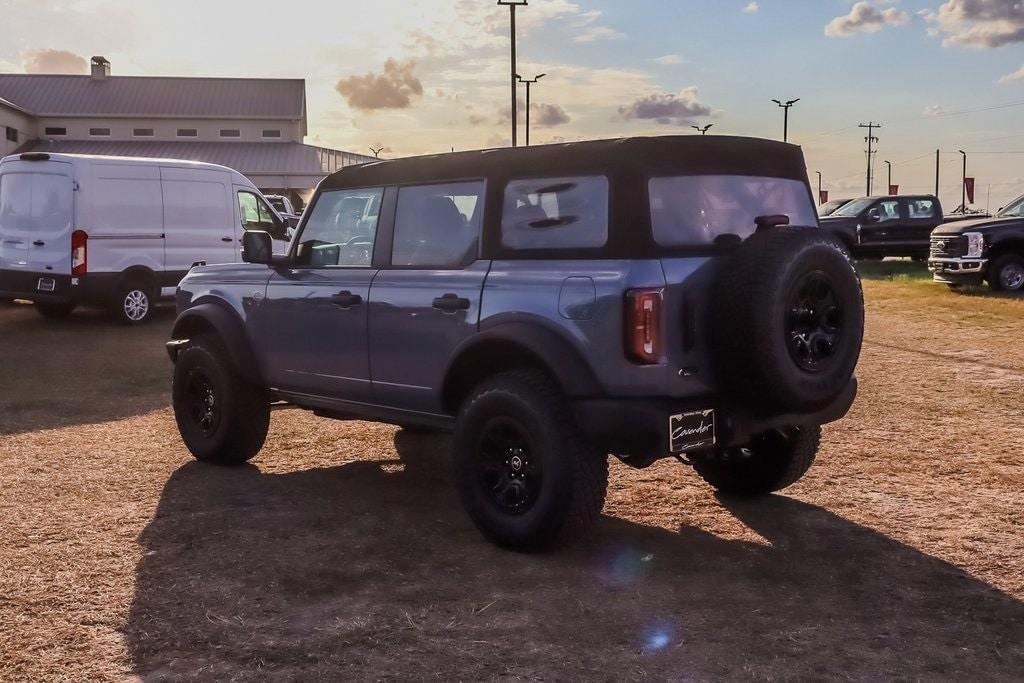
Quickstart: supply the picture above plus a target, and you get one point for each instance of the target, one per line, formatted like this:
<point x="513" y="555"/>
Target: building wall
<point x="208" y="130"/>
<point x="24" y="128"/>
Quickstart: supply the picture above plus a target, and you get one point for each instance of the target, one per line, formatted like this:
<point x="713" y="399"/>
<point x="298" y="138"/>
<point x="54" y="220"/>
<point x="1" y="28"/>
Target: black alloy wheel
<point x="507" y="468"/>
<point x="814" y="321"/>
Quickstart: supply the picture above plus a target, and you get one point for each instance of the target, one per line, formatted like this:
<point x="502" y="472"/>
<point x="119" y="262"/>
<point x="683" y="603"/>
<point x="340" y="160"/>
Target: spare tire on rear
<point x="787" y="320"/>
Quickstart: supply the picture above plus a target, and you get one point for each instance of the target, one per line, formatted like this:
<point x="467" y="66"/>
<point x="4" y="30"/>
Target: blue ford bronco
<point x="644" y="298"/>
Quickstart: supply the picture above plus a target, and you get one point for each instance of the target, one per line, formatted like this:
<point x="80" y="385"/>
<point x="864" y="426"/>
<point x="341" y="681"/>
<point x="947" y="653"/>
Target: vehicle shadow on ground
<point x="81" y="369"/>
<point x="371" y="570"/>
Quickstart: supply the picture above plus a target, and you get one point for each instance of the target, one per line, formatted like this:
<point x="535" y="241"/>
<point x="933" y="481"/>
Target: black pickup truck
<point x="874" y="227"/>
<point x="984" y="249"/>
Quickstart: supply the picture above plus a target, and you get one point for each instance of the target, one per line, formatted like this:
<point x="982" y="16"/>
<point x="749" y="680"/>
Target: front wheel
<point x="222" y="418"/>
<point x="526" y="475"/>
<point x="1007" y="273"/>
<point x="771" y="462"/>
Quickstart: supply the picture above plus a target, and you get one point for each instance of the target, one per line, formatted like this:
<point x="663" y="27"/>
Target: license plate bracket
<point x="691" y="431"/>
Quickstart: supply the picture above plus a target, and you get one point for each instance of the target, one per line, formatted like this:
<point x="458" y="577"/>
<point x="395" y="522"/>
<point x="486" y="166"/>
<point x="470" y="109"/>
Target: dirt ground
<point x="342" y="553"/>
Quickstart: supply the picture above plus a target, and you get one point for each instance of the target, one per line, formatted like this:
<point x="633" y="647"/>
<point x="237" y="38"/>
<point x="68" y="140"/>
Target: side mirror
<point x="257" y="247"/>
<point x="874" y="215"/>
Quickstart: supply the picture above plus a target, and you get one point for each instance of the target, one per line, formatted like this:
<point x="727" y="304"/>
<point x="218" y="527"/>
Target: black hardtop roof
<point x="651" y="156"/>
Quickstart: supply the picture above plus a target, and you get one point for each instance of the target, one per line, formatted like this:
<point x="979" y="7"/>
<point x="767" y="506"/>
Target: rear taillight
<point x="79" y="253"/>
<point x="643" y="325"/>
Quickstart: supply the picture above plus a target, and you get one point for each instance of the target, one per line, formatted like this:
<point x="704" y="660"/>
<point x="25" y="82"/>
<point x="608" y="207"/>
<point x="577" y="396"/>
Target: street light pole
<point x="529" y="82"/>
<point x="963" y="185"/>
<point x="785" y="117"/>
<point x="703" y="130"/>
<point x="512" y="4"/>
<point x="889" y="164"/>
<point x="819" y="186"/>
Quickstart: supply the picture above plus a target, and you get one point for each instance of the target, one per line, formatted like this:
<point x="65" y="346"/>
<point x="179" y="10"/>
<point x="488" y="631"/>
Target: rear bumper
<point x="639" y="427"/>
<point x="958" y="270"/>
<point x="94" y="288"/>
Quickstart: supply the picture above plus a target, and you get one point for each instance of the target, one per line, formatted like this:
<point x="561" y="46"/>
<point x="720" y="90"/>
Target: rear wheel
<point x="55" y="310"/>
<point x="526" y="475"/>
<point x="132" y="303"/>
<point x="222" y="418"/>
<point x="1006" y="273"/>
<point x="771" y="462"/>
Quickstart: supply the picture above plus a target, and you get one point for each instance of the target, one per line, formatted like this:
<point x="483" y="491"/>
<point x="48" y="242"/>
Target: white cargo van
<point x="118" y="231"/>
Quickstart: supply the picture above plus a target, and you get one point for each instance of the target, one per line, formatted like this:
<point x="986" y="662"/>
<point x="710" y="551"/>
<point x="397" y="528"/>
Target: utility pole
<point x="871" y="140"/>
<point x="936" y="173"/>
<point x="889" y="164"/>
<point x="963" y="185"/>
<point x="528" y="82"/>
<point x="819" y="186"/>
<point x="703" y="130"/>
<point x="785" y="117"/>
<point x="512" y="4"/>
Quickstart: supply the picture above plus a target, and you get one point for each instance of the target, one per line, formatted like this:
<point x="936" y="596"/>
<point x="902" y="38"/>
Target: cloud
<point x="53" y="62"/>
<point x="590" y="31"/>
<point x="669" y="60"/>
<point x="934" y="110"/>
<point x="751" y="7"/>
<point x="1017" y="75"/>
<point x="865" y="18"/>
<point x="394" y="88"/>
<point x="666" y="108"/>
<point x="979" y="23"/>
<point x="548" y="115"/>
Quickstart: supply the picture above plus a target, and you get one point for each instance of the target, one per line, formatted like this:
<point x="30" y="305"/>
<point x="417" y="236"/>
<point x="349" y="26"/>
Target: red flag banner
<point x="894" y="189"/>
<point x="823" y="196"/>
<point x="969" y="185"/>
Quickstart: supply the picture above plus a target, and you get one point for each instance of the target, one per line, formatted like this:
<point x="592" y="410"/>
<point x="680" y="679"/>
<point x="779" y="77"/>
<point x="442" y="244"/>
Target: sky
<point x="423" y="76"/>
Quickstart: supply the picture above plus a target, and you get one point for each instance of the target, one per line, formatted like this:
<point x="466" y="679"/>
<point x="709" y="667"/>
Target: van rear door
<point x="36" y="216"/>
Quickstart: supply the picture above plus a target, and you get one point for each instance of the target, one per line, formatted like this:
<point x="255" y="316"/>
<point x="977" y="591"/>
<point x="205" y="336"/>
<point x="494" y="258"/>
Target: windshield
<point x="854" y="207"/>
<point x="34" y="201"/>
<point x="694" y="210"/>
<point x="828" y="207"/>
<point x="1014" y="209"/>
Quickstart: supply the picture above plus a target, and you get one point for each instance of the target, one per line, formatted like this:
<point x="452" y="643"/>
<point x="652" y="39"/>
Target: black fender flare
<point x="217" y="318"/>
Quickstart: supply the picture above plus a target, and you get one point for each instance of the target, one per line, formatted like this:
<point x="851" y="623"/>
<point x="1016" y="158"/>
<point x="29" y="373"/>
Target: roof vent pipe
<point x="99" y="67"/>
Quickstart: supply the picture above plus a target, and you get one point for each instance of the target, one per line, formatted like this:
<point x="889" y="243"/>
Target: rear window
<point x="694" y="210"/>
<point x="555" y="213"/>
<point x="30" y="201"/>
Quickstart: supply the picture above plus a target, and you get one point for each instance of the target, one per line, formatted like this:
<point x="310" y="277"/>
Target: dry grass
<point x="342" y="553"/>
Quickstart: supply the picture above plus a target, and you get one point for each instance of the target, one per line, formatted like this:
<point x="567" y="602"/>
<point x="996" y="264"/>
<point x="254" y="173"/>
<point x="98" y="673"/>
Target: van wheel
<point x="771" y="462"/>
<point x="133" y="303"/>
<point x="526" y="475"/>
<point x="222" y="418"/>
<point x="56" y="311"/>
<point x="1007" y="273"/>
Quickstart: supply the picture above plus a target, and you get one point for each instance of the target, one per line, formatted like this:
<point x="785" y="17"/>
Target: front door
<point x="312" y="324"/>
<point x="883" y="223"/>
<point x="427" y="300"/>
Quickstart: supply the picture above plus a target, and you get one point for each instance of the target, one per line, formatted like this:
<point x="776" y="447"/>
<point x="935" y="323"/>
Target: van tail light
<point x="644" y="343"/>
<point x="79" y="253"/>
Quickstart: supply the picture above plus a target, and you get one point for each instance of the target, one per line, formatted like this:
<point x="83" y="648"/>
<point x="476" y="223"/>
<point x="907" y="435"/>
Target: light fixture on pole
<point x="376" y="151"/>
<point x="703" y="130"/>
<point x="529" y="82"/>
<point x="512" y="4"/>
<point x="785" y="117"/>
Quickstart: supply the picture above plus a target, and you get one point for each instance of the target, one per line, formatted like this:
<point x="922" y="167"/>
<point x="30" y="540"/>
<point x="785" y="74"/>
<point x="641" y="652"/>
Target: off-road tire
<point x="996" y="268"/>
<point x="573" y="475"/>
<point x="55" y="311"/>
<point x="238" y="430"/>
<point x="132" y="302"/>
<point x="751" y="318"/>
<point x="771" y="463"/>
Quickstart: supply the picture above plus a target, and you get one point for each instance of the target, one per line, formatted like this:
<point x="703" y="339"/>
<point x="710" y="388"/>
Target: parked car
<point x="985" y="249"/>
<point x="550" y="305"/>
<point x="118" y="232"/>
<point x="284" y="207"/>
<point x="875" y="227"/>
<point x="831" y="206"/>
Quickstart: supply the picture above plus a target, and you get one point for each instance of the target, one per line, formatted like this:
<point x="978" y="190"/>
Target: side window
<point x="888" y="210"/>
<point x="555" y="213"/>
<point x="341" y="229"/>
<point x="438" y="226"/>
<point x="256" y="215"/>
<point x="922" y="208"/>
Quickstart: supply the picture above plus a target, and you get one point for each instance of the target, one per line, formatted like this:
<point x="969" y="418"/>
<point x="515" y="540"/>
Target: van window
<point x="34" y="201"/>
<point x="695" y="210"/>
<point x="256" y="215"/>
<point x="555" y="213"/>
<point x="438" y="226"/>
<point x="341" y="229"/>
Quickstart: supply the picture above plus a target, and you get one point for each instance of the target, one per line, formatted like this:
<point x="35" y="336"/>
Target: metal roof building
<point x="253" y="125"/>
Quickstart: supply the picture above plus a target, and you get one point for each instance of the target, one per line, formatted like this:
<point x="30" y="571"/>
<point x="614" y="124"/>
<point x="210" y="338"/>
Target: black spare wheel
<point x="788" y="320"/>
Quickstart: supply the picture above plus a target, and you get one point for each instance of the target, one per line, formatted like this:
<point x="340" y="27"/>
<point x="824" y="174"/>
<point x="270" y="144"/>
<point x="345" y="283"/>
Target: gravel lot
<point x="341" y="551"/>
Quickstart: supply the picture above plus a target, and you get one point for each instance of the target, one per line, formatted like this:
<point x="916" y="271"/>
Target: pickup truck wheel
<point x="526" y="475"/>
<point x="132" y="303"/>
<point x="1007" y="273"/>
<point x="771" y="462"/>
<point x="56" y="311"/>
<point x="222" y="418"/>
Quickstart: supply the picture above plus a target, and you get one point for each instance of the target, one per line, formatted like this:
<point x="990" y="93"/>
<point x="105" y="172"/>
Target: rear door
<point x="36" y="216"/>
<point x="426" y="300"/>
<point x="199" y="221"/>
<point x="922" y="216"/>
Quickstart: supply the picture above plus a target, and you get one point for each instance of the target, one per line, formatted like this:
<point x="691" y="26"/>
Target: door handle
<point x="227" y="239"/>
<point x="346" y="299"/>
<point x="39" y="243"/>
<point x="450" y="303"/>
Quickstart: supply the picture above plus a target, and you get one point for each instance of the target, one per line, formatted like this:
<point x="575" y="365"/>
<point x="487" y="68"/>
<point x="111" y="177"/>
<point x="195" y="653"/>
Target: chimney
<point x="100" y="67"/>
